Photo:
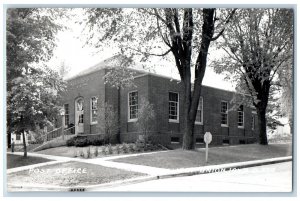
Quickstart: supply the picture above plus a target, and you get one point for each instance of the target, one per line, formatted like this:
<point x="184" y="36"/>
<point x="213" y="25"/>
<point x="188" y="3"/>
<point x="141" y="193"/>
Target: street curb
<point x="182" y="173"/>
<point x="229" y="166"/>
<point x="173" y="173"/>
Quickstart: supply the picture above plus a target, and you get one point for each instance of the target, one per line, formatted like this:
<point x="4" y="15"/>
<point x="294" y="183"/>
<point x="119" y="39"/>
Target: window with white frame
<point x="224" y="113"/>
<point x="67" y="117"/>
<point x="133" y="105"/>
<point x="94" y="110"/>
<point x="173" y="107"/>
<point x="199" y="116"/>
<point x="241" y="116"/>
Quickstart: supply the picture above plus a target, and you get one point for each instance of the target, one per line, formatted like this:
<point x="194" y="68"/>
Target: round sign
<point x="207" y="137"/>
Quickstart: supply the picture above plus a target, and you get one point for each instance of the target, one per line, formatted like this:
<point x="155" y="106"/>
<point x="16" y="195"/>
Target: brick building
<point x="86" y="90"/>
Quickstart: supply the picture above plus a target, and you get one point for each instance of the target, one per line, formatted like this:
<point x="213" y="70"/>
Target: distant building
<point x="17" y="138"/>
<point x="227" y="126"/>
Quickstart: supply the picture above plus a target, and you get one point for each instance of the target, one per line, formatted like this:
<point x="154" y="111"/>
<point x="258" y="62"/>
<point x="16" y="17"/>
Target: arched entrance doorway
<point x="79" y="114"/>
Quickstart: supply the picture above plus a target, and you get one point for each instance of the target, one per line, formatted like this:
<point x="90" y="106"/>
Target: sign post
<point x="207" y="140"/>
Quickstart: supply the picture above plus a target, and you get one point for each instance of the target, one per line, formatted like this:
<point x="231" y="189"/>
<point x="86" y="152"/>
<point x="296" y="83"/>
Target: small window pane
<point x="224" y="113"/>
<point x="241" y="116"/>
<point x="173" y="106"/>
<point x="133" y="105"/>
<point x="94" y="109"/>
<point x="199" y="111"/>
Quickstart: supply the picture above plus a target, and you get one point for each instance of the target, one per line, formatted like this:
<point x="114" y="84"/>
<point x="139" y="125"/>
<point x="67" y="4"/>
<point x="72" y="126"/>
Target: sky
<point x="72" y="51"/>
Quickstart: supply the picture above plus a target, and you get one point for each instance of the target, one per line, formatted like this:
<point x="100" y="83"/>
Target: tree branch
<point x="151" y="54"/>
<point x="226" y="22"/>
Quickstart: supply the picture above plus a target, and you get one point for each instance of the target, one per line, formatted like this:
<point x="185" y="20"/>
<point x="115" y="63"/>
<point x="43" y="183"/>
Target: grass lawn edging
<point x="224" y="167"/>
<point x="179" y="173"/>
<point x="177" y="159"/>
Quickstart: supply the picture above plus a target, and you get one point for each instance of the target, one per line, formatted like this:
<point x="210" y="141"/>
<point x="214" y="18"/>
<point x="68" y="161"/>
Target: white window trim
<point x="224" y="125"/>
<point x="200" y="122"/>
<point x="174" y="120"/>
<point x="91" y="110"/>
<point x="128" y="107"/>
<point x="66" y="126"/>
<point x="243" y="126"/>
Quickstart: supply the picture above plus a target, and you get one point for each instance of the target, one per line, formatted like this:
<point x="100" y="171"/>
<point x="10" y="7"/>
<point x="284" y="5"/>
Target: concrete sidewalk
<point x="152" y="172"/>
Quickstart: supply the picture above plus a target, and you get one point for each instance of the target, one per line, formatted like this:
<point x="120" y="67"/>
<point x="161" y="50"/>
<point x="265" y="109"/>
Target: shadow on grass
<point x="14" y="161"/>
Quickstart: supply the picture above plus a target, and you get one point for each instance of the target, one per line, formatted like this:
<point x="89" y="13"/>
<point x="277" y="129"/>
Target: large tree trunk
<point x="188" y="137"/>
<point x="262" y="125"/>
<point x="24" y="143"/>
<point x="192" y="99"/>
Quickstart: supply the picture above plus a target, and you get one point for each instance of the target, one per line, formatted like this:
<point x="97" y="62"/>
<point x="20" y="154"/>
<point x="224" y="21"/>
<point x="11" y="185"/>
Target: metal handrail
<point x="48" y="136"/>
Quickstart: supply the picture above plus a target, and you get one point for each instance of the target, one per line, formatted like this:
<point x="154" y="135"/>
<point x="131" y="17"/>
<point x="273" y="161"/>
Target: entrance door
<point x="79" y="114"/>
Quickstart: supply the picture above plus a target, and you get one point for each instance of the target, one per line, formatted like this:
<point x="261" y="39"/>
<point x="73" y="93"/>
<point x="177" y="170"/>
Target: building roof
<point x="117" y="61"/>
<point x="107" y="63"/>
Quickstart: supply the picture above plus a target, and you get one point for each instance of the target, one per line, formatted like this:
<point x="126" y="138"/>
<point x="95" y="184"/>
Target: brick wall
<point x="86" y="86"/>
<point x="156" y="89"/>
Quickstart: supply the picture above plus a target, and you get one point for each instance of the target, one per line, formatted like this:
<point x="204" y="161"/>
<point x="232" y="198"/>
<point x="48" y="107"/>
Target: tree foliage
<point x="146" y="115"/>
<point x="108" y="120"/>
<point x="32" y="88"/>
<point x="142" y="33"/>
<point x="258" y="43"/>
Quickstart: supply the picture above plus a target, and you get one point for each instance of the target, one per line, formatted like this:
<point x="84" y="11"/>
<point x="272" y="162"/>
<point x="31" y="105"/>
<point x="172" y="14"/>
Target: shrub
<point x="81" y="153"/>
<point x="131" y="148"/>
<point x="125" y="148"/>
<point x="80" y="142"/>
<point x="71" y="142"/>
<point x="110" y="151"/>
<point x="88" y="152"/>
<point x="104" y="150"/>
<point x="118" y="149"/>
<point x="96" y="152"/>
<point x="96" y="141"/>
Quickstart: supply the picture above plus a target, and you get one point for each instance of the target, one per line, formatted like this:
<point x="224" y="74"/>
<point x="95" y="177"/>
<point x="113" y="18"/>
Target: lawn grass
<point x="60" y="151"/>
<point x="89" y="174"/>
<point x="217" y="155"/>
<point x="103" y="151"/>
<point x="14" y="161"/>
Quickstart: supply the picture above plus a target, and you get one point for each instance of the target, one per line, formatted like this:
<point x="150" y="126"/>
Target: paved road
<point x="267" y="178"/>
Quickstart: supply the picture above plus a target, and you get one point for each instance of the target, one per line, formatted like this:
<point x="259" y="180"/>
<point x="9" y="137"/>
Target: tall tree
<point x="141" y="33"/>
<point x="31" y="87"/>
<point x="257" y="44"/>
<point x="285" y="79"/>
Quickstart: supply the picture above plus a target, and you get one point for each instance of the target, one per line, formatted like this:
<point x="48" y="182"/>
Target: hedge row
<point x="82" y="141"/>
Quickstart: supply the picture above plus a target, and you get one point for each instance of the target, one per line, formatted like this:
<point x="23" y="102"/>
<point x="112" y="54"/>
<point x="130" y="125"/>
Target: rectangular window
<point x="199" y="116"/>
<point x="94" y="110"/>
<point x="133" y="105"/>
<point x="253" y="122"/>
<point x="173" y="107"/>
<point x="224" y="113"/>
<point x="241" y="117"/>
<point x="66" y="107"/>
<point x="18" y="136"/>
